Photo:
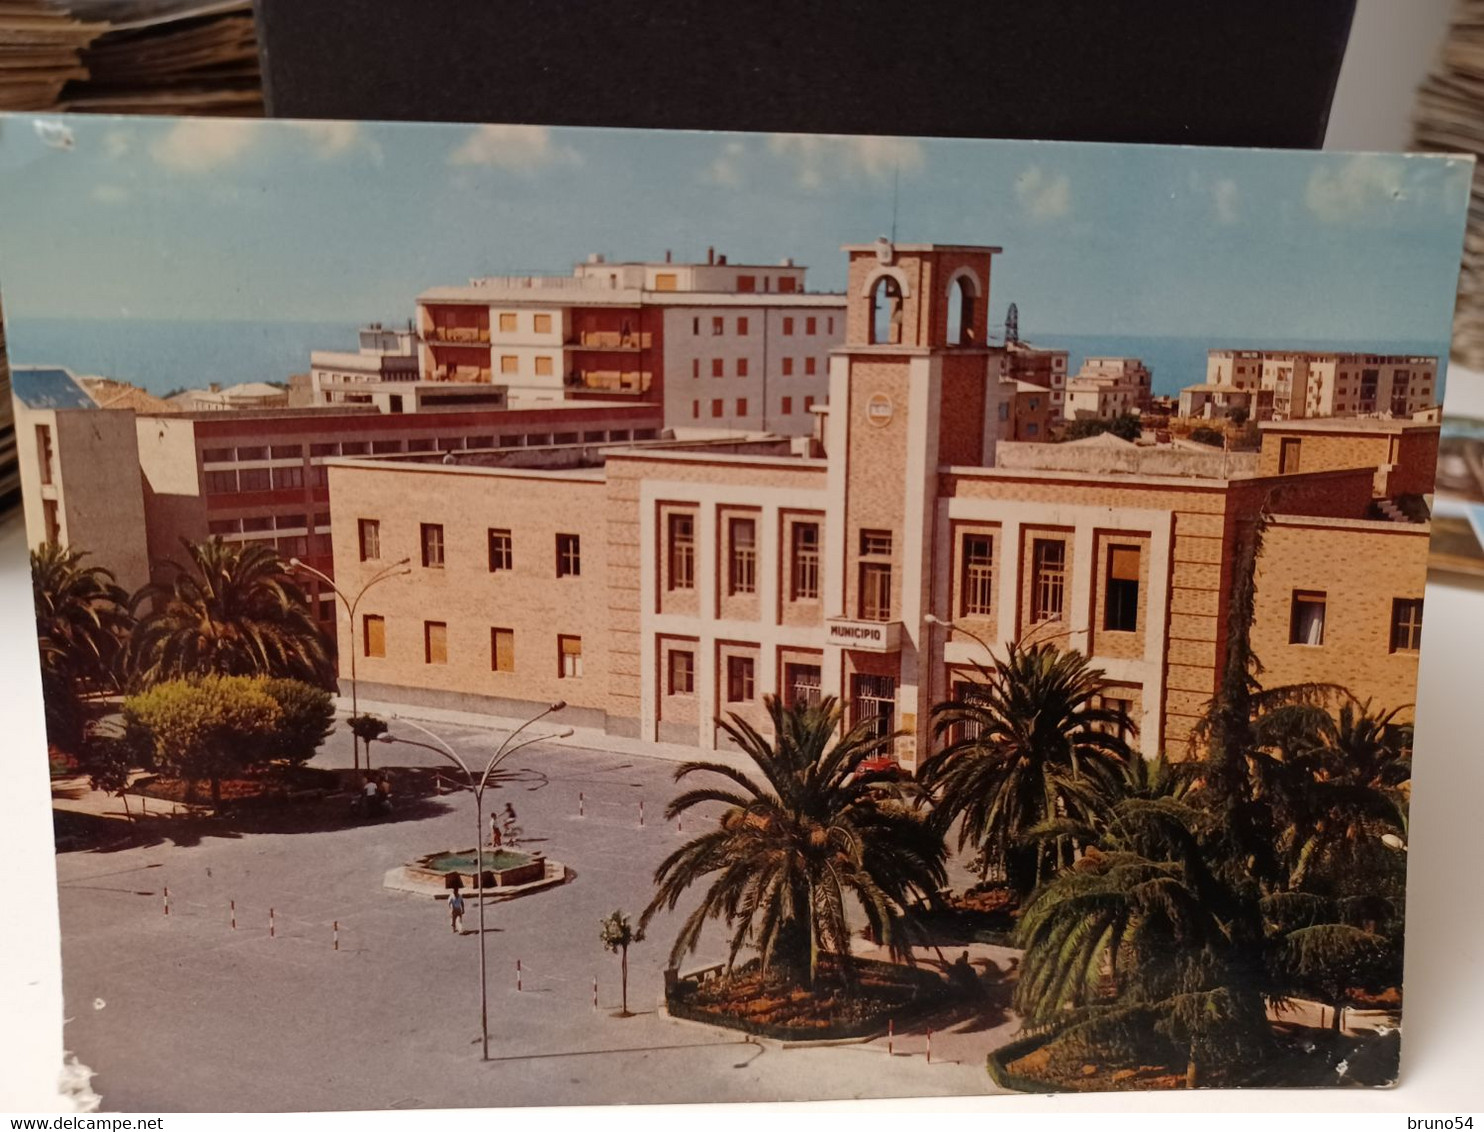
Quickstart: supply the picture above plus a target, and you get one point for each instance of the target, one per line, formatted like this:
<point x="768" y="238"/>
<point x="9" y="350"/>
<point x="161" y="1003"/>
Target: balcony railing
<point x="607" y="340"/>
<point x="458" y="335"/>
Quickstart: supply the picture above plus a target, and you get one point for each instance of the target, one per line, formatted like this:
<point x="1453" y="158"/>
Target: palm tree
<point x="236" y="611"/>
<point x="791" y="849"/>
<point x="81" y="620"/>
<point x="1027" y="745"/>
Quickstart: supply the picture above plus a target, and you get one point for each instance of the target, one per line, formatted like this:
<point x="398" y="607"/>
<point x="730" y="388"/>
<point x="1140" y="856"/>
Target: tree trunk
<point x="124" y="797"/>
<point x="1334" y="1024"/>
<point x="1192" y="1075"/>
<point x="623" y="966"/>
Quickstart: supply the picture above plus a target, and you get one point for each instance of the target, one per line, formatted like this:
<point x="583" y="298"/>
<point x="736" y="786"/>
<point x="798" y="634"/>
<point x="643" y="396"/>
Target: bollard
<point x="517" y="975"/>
<point x="143" y="806"/>
<point x="679" y="826"/>
<point x="595" y="994"/>
<point x="581" y="805"/>
<point x="641" y="813"/>
<point x="167" y="900"/>
<point x="891" y="1030"/>
<point x="272" y="925"/>
<point x="234" y="914"/>
<point x="337" y="935"/>
<point x="930" y="1047"/>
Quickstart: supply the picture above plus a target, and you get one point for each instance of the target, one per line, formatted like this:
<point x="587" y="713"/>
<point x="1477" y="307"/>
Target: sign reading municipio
<point x="867" y="636"/>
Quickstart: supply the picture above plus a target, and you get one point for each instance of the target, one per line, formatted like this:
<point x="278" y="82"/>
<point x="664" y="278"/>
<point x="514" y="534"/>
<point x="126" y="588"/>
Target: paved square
<point x="180" y="1012"/>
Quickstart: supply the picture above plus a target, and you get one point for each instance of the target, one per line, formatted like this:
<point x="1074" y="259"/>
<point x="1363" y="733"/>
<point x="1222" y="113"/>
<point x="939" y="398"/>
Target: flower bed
<point x="772" y="1007"/>
<point x="275" y="784"/>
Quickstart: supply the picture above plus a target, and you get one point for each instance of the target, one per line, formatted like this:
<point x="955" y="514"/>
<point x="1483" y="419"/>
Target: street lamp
<point x="395" y="570"/>
<point x="477" y="786"/>
<point x="952" y="626"/>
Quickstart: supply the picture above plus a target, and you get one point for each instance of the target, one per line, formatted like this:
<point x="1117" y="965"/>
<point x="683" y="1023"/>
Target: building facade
<point x="1105" y="388"/>
<point x="1306" y="384"/>
<point x="657" y="588"/>
<point x="720" y="345"/>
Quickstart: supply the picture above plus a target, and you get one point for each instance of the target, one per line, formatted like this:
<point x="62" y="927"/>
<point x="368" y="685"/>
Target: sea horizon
<point x="163" y="355"/>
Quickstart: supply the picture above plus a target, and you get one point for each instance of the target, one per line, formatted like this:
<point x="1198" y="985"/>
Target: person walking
<point x="456" y="911"/>
<point x="494" y="831"/>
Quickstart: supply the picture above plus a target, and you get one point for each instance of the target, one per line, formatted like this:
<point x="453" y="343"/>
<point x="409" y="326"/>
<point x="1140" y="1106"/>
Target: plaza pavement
<point x="181" y="1013"/>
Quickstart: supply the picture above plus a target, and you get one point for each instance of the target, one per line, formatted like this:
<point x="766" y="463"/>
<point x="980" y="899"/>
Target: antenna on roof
<point x="896" y="178"/>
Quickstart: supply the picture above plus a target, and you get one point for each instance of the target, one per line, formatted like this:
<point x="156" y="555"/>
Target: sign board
<point x="865" y="636"/>
<point x="879" y="409"/>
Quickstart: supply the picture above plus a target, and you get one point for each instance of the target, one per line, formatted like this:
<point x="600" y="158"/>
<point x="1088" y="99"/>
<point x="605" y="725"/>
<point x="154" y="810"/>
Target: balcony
<point x="457" y="335"/>
<point x="608" y="340"/>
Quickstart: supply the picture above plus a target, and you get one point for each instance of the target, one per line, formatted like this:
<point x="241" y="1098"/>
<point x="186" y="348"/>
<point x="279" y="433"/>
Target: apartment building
<point x="720" y="345"/>
<point x="656" y="588"/>
<point x="1105" y="388"/>
<point x="1304" y="384"/>
<point x="385" y="356"/>
<point x="1038" y="365"/>
<point x="79" y="472"/>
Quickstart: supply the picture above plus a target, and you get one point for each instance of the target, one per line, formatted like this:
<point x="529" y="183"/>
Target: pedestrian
<point x="383" y="795"/>
<point x="368" y="797"/>
<point x="494" y="831"/>
<point x="456" y="911"/>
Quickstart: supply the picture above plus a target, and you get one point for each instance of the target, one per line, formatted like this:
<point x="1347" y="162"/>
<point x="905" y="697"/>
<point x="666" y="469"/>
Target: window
<point x="1406" y="624"/>
<point x="788" y="367"/>
<point x="543" y="323"/>
<point x="569" y="556"/>
<point x="666" y="281"/>
<point x="810" y="365"/>
<point x="717" y="367"/>
<point x="287" y="451"/>
<point x="370" y="531"/>
<point x="741" y="406"/>
<point x="811" y="325"/>
<point x="543" y="365"/>
<point x="682" y="673"/>
<point x="507" y="322"/>
<point x="787" y="284"/>
<point x="1032" y="429"/>
<point x="1048" y="579"/>
<point x="830" y="322"/>
<point x="1288" y="455"/>
<point x="961" y="312"/>
<point x="502" y="550"/>
<point x="52" y="520"/>
<point x="208" y="455"/>
<point x="805" y="581"/>
<point x="886" y="312"/>
<point x="569" y="657"/>
<point x="695" y="410"/>
<point x="873" y="699"/>
<point x="509" y="364"/>
<point x="354" y="448"/>
<point x="788" y="326"/>
<point x="44" y="451"/>
<point x="808" y="403"/>
<point x="742" y="326"/>
<point x="716" y="409"/>
<point x="741" y="367"/>
<point x="875" y="576"/>
<point x="1121" y="598"/>
<point x="682" y="552"/>
<point x="747" y="284"/>
<point x="435" y="642"/>
<point x="742" y="558"/>
<point x="695" y="367"/>
<point x="1306" y="624"/>
<point x="256" y="452"/>
<point x="978" y="576"/>
<point x="1124" y="726"/>
<point x="380" y="447"/>
<point x="286" y="478"/>
<point x="502" y="650"/>
<point x="718" y="326"/>
<point x="373" y="635"/>
<point x="741" y="679"/>
<point x="801" y="684"/>
<point x="787" y="406"/>
<point x="253" y="479"/>
<point x="328" y="448"/>
<point x="221" y="483"/>
<point x="432" y="544"/>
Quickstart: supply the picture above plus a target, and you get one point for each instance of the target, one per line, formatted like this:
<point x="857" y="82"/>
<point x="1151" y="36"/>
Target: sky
<point x="327" y="221"/>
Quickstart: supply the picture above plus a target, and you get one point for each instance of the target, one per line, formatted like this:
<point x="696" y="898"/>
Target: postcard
<point x="549" y="616"/>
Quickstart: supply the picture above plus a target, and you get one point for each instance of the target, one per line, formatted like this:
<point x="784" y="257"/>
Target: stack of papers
<point x="41" y="44"/>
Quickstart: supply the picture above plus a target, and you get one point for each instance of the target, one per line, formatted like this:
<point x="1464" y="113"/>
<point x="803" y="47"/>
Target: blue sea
<point x="165" y="355"/>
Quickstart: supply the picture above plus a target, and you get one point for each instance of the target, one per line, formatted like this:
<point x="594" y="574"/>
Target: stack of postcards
<point x="1449" y="116"/>
<point x="171" y="57"/>
<point x="40" y="52"/>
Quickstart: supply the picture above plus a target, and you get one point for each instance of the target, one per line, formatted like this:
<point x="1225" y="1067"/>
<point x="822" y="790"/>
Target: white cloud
<point x="818" y="158"/>
<point x="726" y="169"/>
<point x="110" y="194"/>
<point x="331" y="138"/>
<point x="513" y="147"/>
<point x="1224" y="197"/>
<point x="1350" y="191"/>
<point x="1045" y="196"/>
<point x="117" y="143"/>
<point x="199" y="145"/>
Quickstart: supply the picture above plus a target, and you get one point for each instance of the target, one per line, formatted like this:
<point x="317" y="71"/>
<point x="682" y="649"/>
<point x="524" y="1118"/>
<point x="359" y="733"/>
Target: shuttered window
<point x="502" y="650"/>
<point x="373" y="634"/>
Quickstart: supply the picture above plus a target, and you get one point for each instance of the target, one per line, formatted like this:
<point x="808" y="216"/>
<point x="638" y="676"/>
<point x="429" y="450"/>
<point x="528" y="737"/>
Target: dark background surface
<point x="1198" y="72"/>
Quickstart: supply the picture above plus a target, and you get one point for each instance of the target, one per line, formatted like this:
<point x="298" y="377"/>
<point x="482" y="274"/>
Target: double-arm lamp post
<point x="395" y="570"/>
<point x="477" y="786"/>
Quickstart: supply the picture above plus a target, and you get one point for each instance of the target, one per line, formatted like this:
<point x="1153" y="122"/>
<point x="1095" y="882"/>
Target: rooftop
<point x="1359" y="425"/>
<point x="48" y="387"/>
